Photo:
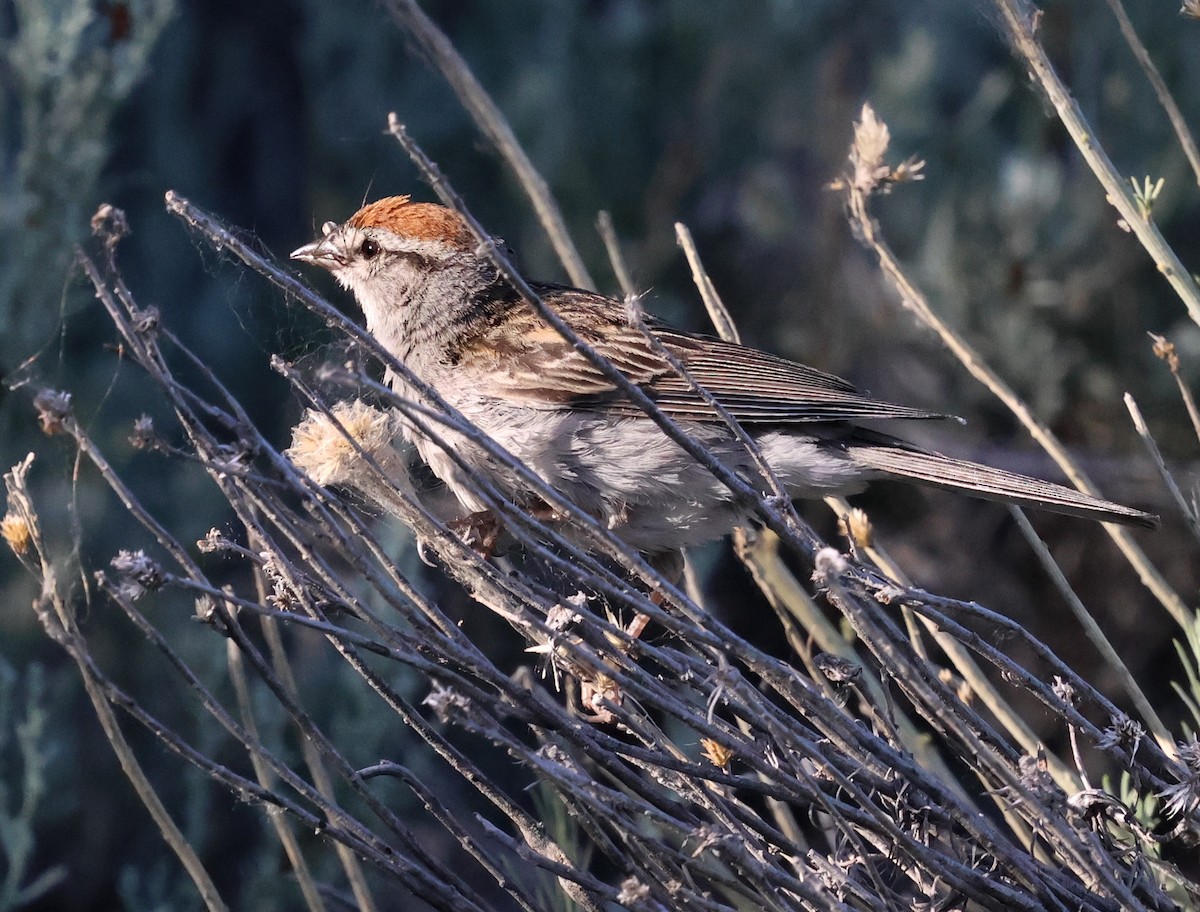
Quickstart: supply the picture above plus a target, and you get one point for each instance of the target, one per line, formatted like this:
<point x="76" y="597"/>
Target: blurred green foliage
<point x="729" y="116"/>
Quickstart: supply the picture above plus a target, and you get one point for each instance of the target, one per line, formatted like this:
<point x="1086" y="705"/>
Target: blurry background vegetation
<point x="729" y="116"/>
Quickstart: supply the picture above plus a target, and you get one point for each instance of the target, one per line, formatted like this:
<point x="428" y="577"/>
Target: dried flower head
<point x="1064" y="690"/>
<point x="716" y="753"/>
<point x="205" y="610"/>
<point x="632" y="891"/>
<point x="836" y="669"/>
<point x="213" y="541"/>
<point x="828" y="561"/>
<point x="137" y="572"/>
<point x="109" y="224"/>
<point x="871" y="140"/>
<point x="1122" y="732"/>
<point x="869" y="171"/>
<point x="1165" y="350"/>
<point x="145" y="319"/>
<point x="1096" y="806"/>
<point x="16" y="532"/>
<point x="322" y="450"/>
<point x="446" y="702"/>
<point x="53" y="408"/>
<point x="1035" y="776"/>
<point x="143" y="436"/>
<point x="857" y="527"/>
<point x="1183" y="798"/>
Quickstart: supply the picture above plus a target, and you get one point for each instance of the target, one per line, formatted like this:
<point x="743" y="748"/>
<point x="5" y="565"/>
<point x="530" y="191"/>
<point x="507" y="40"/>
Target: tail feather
<point x="977" y="480"/>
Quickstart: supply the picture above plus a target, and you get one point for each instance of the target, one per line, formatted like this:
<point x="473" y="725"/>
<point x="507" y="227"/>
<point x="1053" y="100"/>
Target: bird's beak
<point x="320" y="253"/>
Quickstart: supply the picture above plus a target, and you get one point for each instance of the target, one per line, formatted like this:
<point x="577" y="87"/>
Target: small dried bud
<point x="560" y="617"/>
<point x="632" y="891"/>
<point x="445" y="702"/>
<point x="1095" y="804"/>
<point x="109" y="224"/>
<point x="206" y="609"/>
<point x="1035" y="776"/>
<point x="212" y="541"/>
<point x="231" y="460"/>
<point x="1165" y="349"/>
<point x="138" y="573"/>
<point x="16" y="532"/>
<point x="552" y="753"/>
<point x="889" y="594"/>
<point x="1064" y="691"/>
<point x="53" y="408"/>
<point x="836" y="669"/>
<point x="716" y="753"/>
<point x="145" y="320"/>
<point x="287" y="589"/>
<point x="143" y="436"/>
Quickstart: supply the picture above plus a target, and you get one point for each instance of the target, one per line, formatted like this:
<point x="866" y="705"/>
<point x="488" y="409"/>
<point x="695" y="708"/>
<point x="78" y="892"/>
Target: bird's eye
<point x="369" y="249"/>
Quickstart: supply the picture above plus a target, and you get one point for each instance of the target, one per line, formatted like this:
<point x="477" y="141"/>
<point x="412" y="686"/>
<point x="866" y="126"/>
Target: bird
<point x="435" y="301"/>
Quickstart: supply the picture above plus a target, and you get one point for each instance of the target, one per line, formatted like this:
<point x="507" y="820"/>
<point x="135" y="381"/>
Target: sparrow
<point x="436" y="302"/>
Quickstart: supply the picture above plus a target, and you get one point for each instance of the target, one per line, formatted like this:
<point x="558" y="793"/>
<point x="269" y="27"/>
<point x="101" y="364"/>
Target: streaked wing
<point x="757" y="387"/>
<point x="529" y="361"/>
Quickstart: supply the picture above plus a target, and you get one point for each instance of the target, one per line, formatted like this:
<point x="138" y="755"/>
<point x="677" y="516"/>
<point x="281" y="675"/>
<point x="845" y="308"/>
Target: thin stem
<point x="916" y="302"/>
<point x="612" y="245"/>
<point x="1020" y="22"/>
<point x="1091" y="629"/>
<point x="488" y="117"/>
<point x="1186" y="141"/>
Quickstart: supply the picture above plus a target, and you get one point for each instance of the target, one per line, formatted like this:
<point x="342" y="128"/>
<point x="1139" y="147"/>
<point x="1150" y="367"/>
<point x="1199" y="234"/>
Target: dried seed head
<point x="1165" y="349"/>
<point x="53" y="408"/>
<point x="137" y="572"/>
<point x="716" y="753"/>
<point x="1183" y="798"/>
<point x="1122" y="732"/>
<point x="109" y="224"/>
<point x="828" y="561"/>
<point x="857" y="527"/>
<point x="632" y="891"/>
<point x="143" y="437"/>
<point x="145" y="320"/>
<point x="869" y="172"/>
<point x="212" y="541"/>
<point x="15" y="530"/>
<point x="1035" y="776"/>
<point x="1064" y="690"/>
<point x="836" y="669"/>
<point x="446" y="702"/>
<point x="322" y="450"/>
<point x="871" y="140"/>
<point x="206" y="609"/>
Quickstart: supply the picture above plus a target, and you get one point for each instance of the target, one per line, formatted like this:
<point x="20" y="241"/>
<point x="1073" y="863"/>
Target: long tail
<point x="977" y="480"/>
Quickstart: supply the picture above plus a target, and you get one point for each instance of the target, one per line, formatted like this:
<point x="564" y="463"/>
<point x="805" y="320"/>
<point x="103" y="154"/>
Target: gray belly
<point x="627" y="474"/>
